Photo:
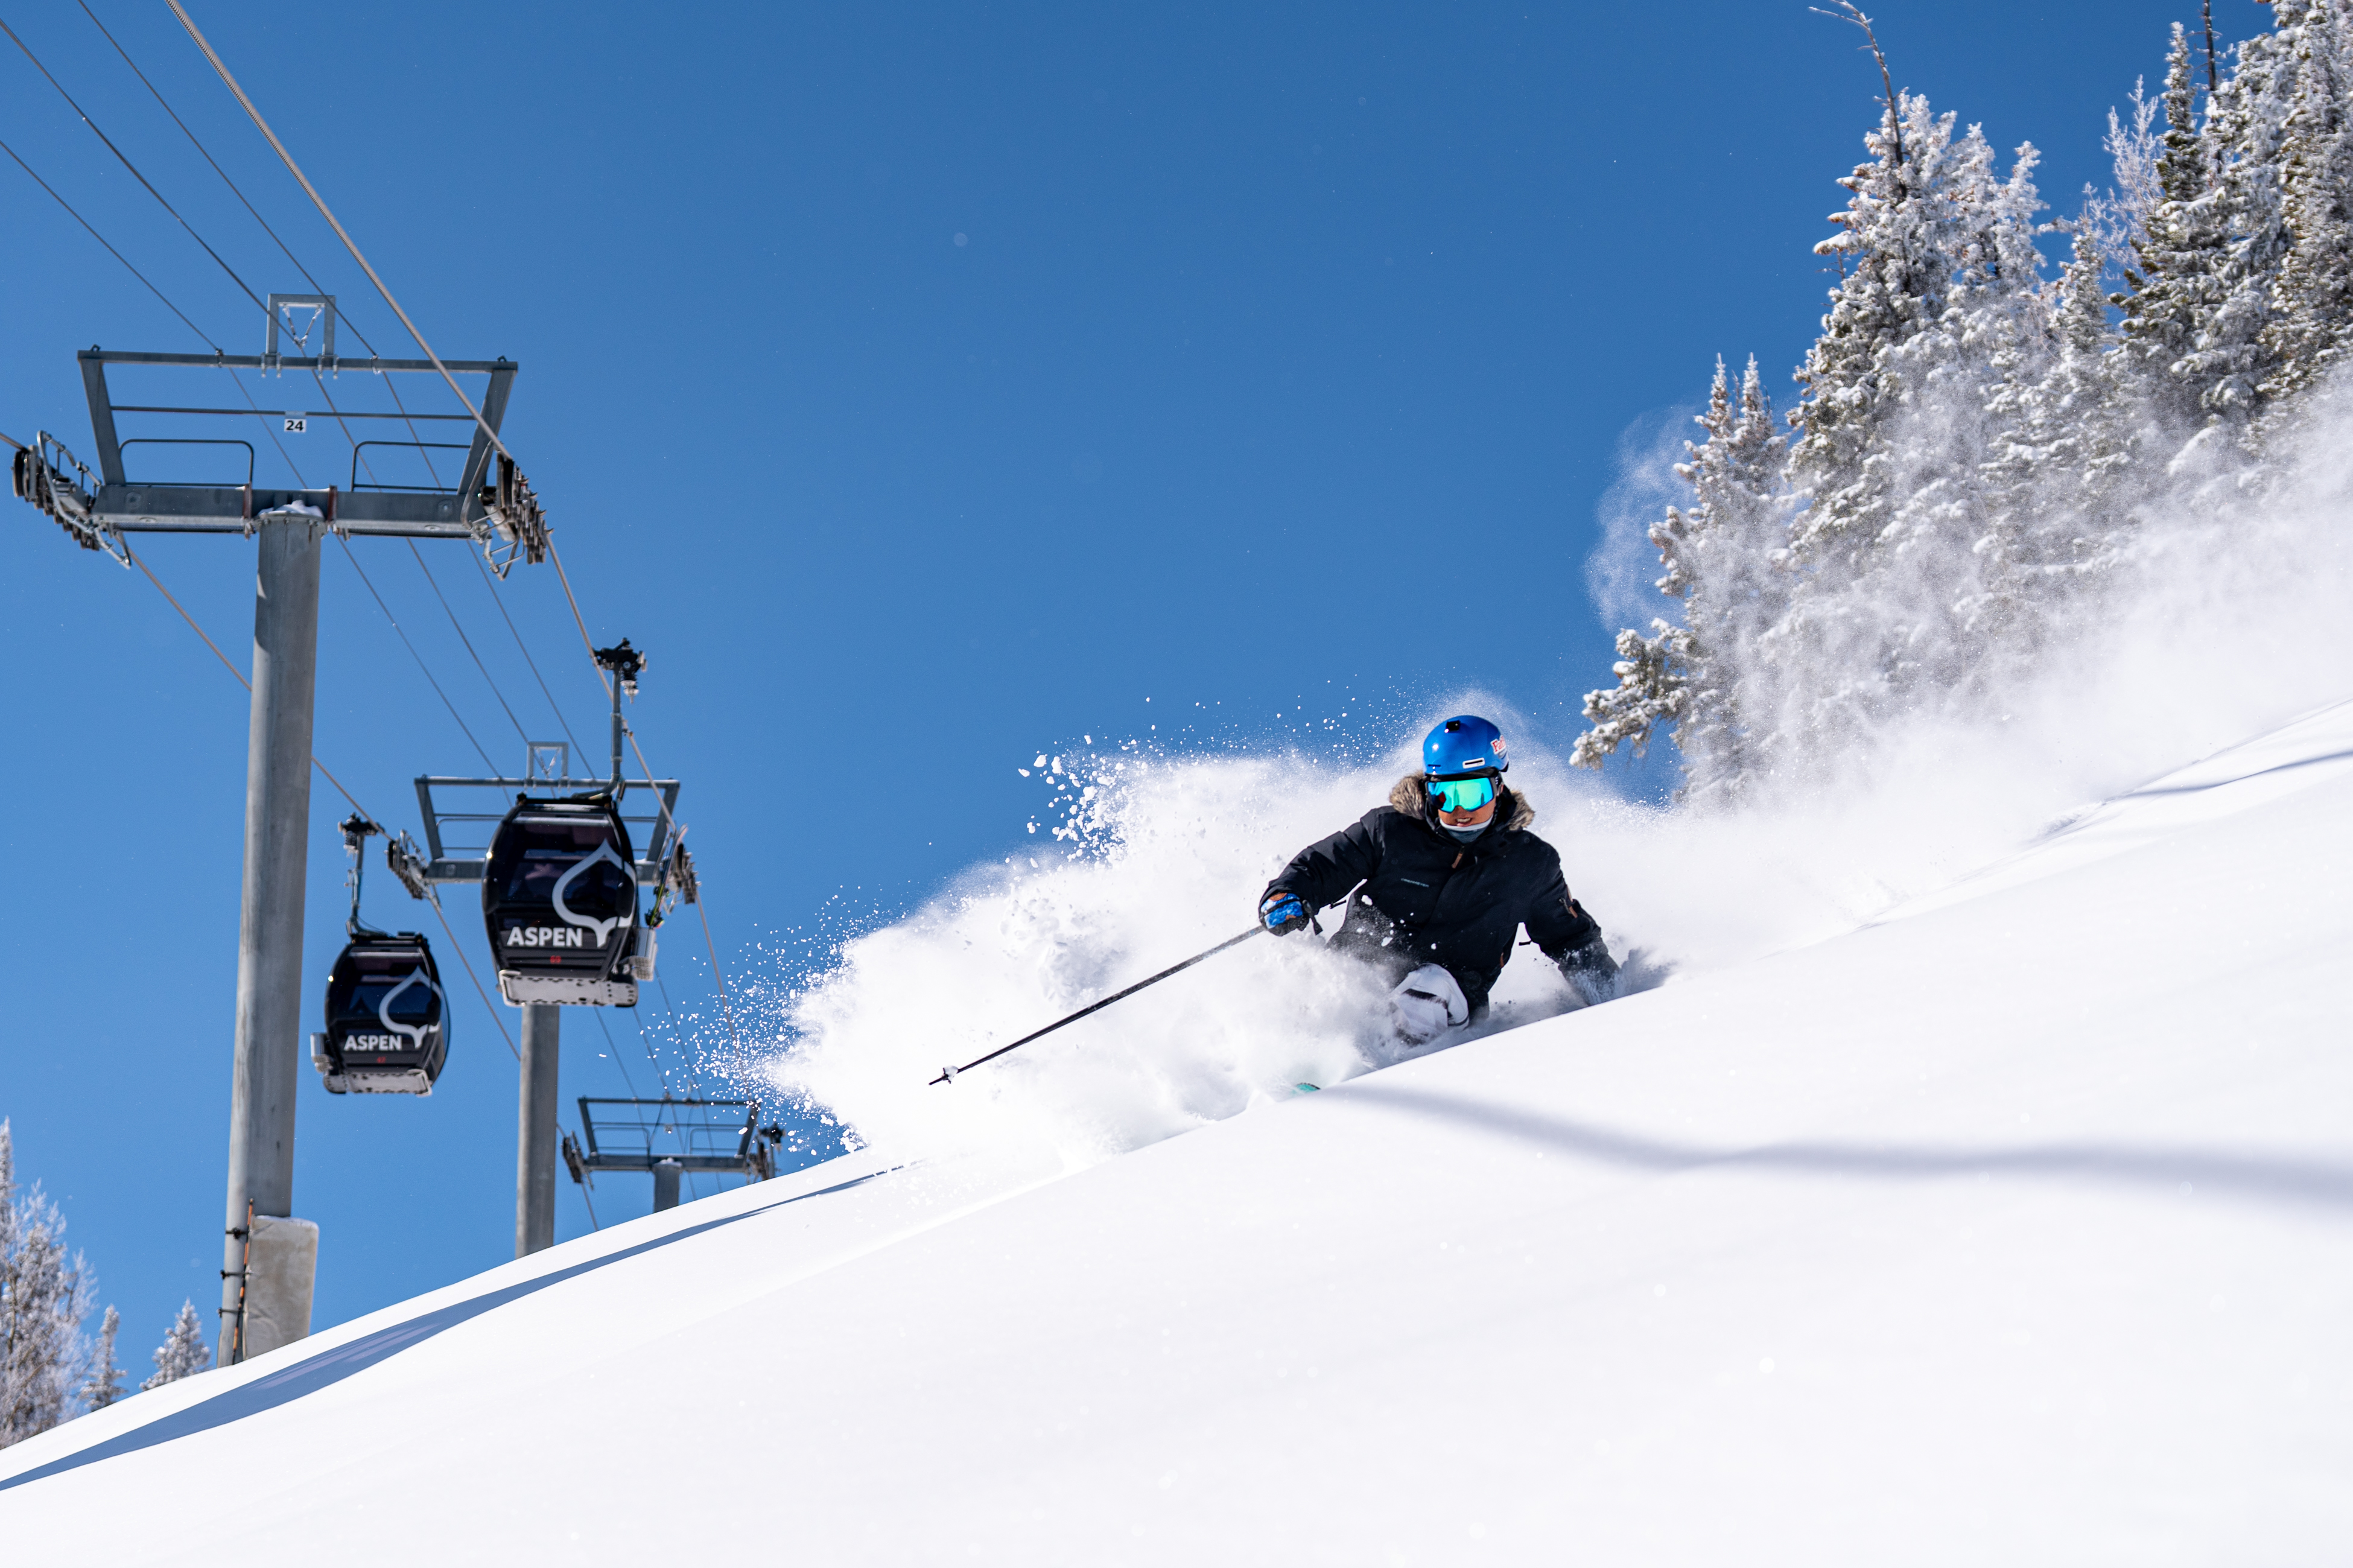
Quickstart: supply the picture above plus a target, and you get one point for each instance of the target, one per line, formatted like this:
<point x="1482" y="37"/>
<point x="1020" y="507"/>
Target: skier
<point x="1444" y="875"/>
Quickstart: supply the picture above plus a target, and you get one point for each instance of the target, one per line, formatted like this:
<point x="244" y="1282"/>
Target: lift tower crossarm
<point x="326" y="364"/>
<point x="124" y="506"/>
<point x="444" y="867"/>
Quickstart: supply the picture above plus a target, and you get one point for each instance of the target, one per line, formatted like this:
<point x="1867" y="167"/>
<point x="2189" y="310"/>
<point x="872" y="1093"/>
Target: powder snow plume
<point x="1164" y="856"/>
<point x="2234" y="620"/>
<point x="1158" y="858"/>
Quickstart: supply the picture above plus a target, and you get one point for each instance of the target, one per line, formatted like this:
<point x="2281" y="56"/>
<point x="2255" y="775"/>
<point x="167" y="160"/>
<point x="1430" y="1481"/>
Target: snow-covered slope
<point x="2016" y="1227"/>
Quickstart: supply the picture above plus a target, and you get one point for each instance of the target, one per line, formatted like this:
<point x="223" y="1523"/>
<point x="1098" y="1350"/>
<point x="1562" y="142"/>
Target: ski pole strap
<point x="947" y="1075"/>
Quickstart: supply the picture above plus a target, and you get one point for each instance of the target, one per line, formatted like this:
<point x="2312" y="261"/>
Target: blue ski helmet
<point x="1463" y="746"/>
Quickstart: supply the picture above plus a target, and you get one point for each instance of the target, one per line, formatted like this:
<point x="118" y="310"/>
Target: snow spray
<point x="2233" y="618"/>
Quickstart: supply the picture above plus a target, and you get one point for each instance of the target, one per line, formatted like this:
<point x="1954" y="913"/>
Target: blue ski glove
<point x="1282" y="913"/>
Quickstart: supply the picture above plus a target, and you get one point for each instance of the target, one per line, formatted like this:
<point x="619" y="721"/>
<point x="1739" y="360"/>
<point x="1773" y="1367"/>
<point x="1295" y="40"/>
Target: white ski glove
<point x="1426" y="1005"/>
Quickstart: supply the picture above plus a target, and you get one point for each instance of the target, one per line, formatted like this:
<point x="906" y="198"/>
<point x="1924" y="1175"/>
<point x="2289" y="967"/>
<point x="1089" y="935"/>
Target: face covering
<point x="1465" y="835"/>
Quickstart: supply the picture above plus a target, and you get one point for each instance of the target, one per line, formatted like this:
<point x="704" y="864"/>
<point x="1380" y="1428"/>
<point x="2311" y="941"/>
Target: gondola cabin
<point x="560" y="900"/>
<point x="388" y="1020"/>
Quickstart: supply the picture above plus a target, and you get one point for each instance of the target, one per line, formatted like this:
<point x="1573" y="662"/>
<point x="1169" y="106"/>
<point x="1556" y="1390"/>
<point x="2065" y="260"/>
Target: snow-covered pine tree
<point x="183" y="1352"/>
<point x="1740" y="590"/>
<point x="1941" y="293"/>
<point x="1653" y="689"/>
<point x="1719" y="555"/>
<point x="105" y="1384"/>
<point x="44" y="1297"/>
<point x="2246" y="125"/>
<point x="2312" y="293"/>
<point x="1898" y="249"/>
<point x="2117" y="219"/>
<point x="2058" y="475"/>
<point x="2172" y="281"/>
<point x="1952" y="379"/>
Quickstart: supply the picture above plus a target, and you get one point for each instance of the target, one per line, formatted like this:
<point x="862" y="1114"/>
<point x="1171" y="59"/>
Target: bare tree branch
<point x="1846" y="12"/>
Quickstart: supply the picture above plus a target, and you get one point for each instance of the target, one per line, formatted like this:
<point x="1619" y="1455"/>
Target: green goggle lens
<point x="1462" y="795"/>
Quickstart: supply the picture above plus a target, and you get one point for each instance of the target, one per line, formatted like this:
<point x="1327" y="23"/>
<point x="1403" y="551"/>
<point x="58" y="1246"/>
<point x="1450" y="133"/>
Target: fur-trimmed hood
<point x="1411" y="797"/>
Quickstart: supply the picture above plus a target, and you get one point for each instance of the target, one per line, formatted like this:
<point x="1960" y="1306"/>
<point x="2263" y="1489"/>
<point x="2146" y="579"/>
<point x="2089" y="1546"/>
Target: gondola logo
<point x="413" y="1032"/>
<point x="603" y="928"/>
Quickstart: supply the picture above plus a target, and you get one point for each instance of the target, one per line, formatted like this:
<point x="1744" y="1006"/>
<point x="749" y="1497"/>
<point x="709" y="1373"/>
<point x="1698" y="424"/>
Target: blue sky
<point x="923" y="387"/>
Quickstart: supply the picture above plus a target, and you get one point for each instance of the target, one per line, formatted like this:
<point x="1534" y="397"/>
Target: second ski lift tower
<point x="560" y="880"/>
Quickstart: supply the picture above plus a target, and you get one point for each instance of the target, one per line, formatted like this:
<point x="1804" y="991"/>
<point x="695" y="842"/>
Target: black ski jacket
<point x="1430" y="899"/>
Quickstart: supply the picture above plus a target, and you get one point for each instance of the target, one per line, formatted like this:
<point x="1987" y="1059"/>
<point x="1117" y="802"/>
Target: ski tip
<point x="1307" y="1088"/>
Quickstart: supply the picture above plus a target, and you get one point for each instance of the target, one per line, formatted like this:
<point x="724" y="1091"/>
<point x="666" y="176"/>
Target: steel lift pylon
<point x="497" y="513"/>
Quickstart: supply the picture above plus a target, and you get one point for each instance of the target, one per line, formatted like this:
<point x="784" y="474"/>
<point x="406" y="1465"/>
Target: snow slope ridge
<point x="2311" y="749"/>
<point x="2019" y="1229"/>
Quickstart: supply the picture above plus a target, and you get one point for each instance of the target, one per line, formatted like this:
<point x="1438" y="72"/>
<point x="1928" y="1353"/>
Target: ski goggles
<point x="1461" y="795"/>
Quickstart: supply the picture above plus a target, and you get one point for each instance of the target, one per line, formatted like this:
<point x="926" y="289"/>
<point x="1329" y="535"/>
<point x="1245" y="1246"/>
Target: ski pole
<point x="949" y="1075"/>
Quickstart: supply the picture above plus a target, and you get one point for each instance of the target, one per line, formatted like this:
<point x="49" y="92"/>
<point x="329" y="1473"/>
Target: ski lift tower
<point x="526" y="843"/>
<point x="265" y="1298"/>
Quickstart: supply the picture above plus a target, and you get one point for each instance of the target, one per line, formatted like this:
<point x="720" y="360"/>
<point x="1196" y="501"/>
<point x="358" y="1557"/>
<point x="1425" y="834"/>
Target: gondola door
<point x="560" y="901"/>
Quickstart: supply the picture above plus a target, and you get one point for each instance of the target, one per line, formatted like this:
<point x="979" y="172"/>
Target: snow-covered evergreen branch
<point x="1977" y="444"/>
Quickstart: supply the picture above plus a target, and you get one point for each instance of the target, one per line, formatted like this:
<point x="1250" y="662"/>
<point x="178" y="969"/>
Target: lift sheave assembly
<point x="560" y="901"/>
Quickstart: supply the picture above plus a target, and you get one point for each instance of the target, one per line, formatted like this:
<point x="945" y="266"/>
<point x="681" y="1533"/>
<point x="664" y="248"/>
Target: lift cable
<point x="110" y="250"/>
<point x="209" y="158"/>
<point x="262" y="124"/>
<point x="295" y="169"/>
<point x="459" y="948"/>
<point x="362" y="461"/>
<point x="434" y="582"/>
<point x="201" y="336"/>
<point x="436" y="586"/>
<point x="206" y="338"/>
<point x="224" y="173"/>
<point x="354" y="557"/>
<point x="308" y="277"/>
<point x="225" y="663"/>
<point x="525" y="651"/>
<point x="646" y="1044"/>
<point x="726" y="1003"/>
<point x="233" y="670"/>
<point x="391" y="387"/>
<point x="102" y="136"/>
<point x="455" y="946"/>
<point x="463" y="637"/>
<point x="258" y="303"/>
<point x="686" y="1064"/>
<point x="614" y="1055"/>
